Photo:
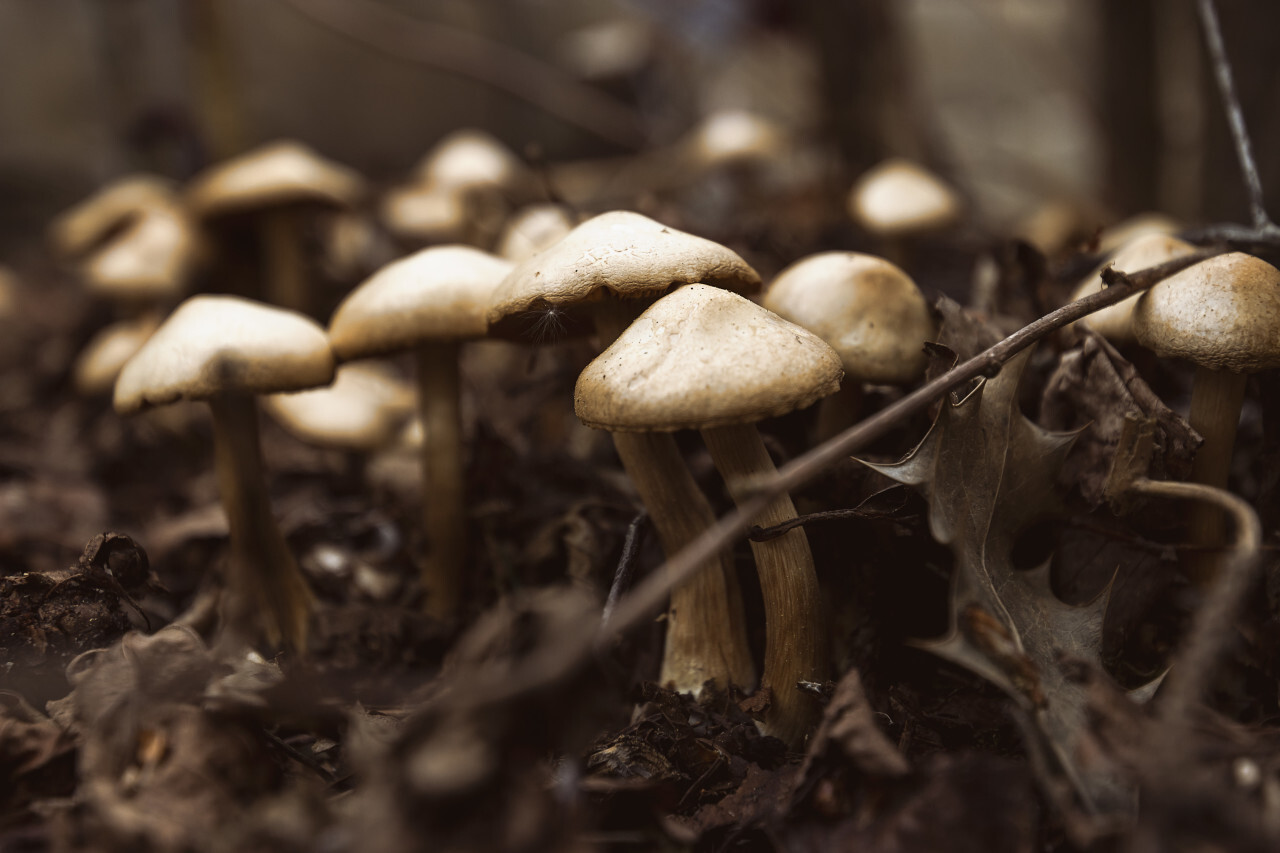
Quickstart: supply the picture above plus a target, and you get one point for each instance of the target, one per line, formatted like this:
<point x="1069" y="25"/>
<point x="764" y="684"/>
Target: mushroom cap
<point x="704" y="357"/>
<point x="78" y="230"/>
<point x="1138" y="225"/>
<point x="215" y="344"/>
<point x="898" y="197"/>
<point x="280" y="173"/>
<point x="440" y="293"/>
<point x="364" y="408"/>
<point x="1222" y="313"/>
<point x="867" y="309"/>
<point x="734" y="137"/>
<point x="470" y="159"/>
<point x="426" y="213"/>
<point x="533" y="229"/>
<point x="626" y="253"/>
<point x="99" y="363"/>
<point x="151" y="259"/>
<point x="1115" y="322"/>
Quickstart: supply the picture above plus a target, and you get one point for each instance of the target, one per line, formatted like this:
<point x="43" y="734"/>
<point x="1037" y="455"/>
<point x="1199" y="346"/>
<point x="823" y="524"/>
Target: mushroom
<point x="224" y="350"/>
<point x="1115" y="322"/>
<point x="276" y="185"/>
<point x="1223" y="315"/>
<point x="533" y="229"/>
<point x="604" y="273"/>
<point x="703" y="358"/>
<point x="868" y="310"/>
<point x="364" y="409"/>
<point x="428" y="303"/>
<point x="99" y="363"/>
<point x="898" y="199"/>
<point x="78" y="231"/>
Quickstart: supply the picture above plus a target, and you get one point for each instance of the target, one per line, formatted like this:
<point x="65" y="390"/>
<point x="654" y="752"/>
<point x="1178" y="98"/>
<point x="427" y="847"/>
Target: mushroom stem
<point x="794" y="647"/>
<point x="706" y="638"/>
<point x="266" y="594"/>
<point x="285" y="263"/>
<point x="443" y="477"/>
<point x="1216" y="399"/>
<point x="839" y="411"/>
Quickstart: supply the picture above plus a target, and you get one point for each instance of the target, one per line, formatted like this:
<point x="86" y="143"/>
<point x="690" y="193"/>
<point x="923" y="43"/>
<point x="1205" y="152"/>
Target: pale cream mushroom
<point x="429" y="303"/>
<point x="364" y="409"/>
<point x="603" y="274"/>
<point x="703" y="358"/>
<point x="899" y="199"/>
<point x="276" y="185"/>
<point x="1115" y="322"/>
<point x="100" y="361"/>
<point x="869" y="311"/>
<point x="533" y="229"/>
<point x="1223" y="315"/>
<point x="225" y="350"/>
<point x="78" y="231"/>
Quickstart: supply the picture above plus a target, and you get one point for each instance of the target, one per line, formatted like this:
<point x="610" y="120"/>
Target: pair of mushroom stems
<point x="795" y="648"/>
<point x="443" y="477"/>
<point x="284" y="258"/>
<point x="711" y="632"/>
<point x="1217" y="397"/>
<point x="266" y="596"/>
<point x="706" y="629"/>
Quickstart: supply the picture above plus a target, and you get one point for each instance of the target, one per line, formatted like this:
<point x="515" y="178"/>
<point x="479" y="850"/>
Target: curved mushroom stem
<point x="443" y="478"/>
<point x="266" y="595"/>
<point x="706" y="638"/>
<point x="795" y="646"/>
<point x="285" y="262"/>
<point x="1216" y="399"/>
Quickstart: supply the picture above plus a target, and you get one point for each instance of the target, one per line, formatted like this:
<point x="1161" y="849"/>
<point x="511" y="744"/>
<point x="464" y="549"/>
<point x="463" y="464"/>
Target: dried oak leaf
<point x="988" y="473"/>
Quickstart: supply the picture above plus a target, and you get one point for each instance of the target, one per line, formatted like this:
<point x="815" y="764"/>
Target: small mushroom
<point x="363" y="410"/>
<point x="897" y="200"/>
<point x="703" y="358"/>
<point x="1223" y="315"/>
<point x="428" y="303"/>
<point x="276" y="185"/>
<point x="225" y="350"/>
<point x="869" y="311"/>
<point x="1115" y="322"/>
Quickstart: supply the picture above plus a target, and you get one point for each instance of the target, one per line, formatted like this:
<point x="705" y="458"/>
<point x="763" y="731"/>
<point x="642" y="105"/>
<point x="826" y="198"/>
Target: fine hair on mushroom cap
<point x="225" y="350"/>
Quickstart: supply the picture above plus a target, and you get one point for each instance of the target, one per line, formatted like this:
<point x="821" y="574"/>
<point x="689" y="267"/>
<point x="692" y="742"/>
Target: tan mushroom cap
<point x="279" y="173"/>
<point x="626" y="253"/>
<point x="429" y="213"/>
<point x="441" y="293"/>
<point x="735" y="137"/>
<point x="78" y="230"/>
<point x="99" y="363"/>
<point x="703" y="357"/>
<point x="1139" y="225"/>
<point x="1223" y="314"/>
<point x="899" y="197"/>
<point x="365" y="408"/>
<point x="1116" y="321"/>
<point x="215" y="344"/>
<point x="470" y="159"/>
<point x="867" y="309"/>
<point x="151" y="260"/>
<point x="533" y="229"/>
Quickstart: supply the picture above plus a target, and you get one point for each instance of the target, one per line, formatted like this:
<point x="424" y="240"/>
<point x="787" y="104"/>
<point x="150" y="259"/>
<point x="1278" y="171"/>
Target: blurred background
<point x="1086" y="110"/>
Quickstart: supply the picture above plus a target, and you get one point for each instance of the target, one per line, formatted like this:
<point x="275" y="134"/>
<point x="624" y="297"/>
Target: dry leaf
<point x="989" y="473"/>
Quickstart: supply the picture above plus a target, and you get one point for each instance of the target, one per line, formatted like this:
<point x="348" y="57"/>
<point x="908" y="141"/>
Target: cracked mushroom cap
<point x="866" y="308"/>
<point x="624" y="253"/>
<point x="1115" y="322"/>
<point x="899" y="197"/>
<point x="703" y="357"/>
<point x="1222" y="313"/>
<point x="277" y="174"/>
<point x="216" y="344"/>
<point x="80" y="229"/>
<point x="440" y="293"/>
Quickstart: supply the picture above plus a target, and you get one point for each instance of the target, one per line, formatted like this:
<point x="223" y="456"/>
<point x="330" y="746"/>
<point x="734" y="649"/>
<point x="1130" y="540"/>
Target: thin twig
<point x="1235" y="116"/>
<point x="626" y="564"/>
<point x="457" y="51"/>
